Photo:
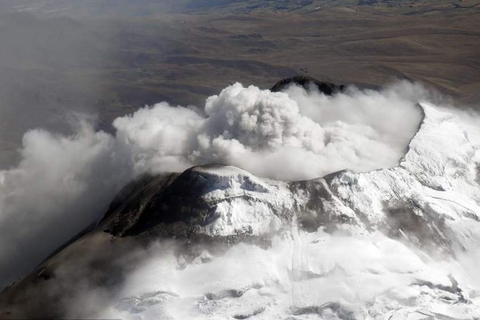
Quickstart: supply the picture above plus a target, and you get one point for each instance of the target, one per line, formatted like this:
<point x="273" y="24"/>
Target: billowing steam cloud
<point x="293" y="135"/>
<point x="64" y="183"/>
<point x="61" y="185"/>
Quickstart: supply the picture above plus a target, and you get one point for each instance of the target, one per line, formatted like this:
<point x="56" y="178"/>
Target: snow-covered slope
<point x="216" y="242"/>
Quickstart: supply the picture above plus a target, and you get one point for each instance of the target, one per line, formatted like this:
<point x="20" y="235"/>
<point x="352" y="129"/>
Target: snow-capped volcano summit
<point x="213" y="200"/>
<point x="216" y="242"/>
<point x="434" y="186"/>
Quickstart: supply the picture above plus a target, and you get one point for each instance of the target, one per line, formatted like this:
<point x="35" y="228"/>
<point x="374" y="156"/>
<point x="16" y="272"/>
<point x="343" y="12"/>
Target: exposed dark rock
<point x="129" y="205"/>
<point x="406" y="219"/>
<point x="340" y="311"/>
<point x="308" y="83"/>
<point x="313" y="214"/>
<point x="250" y="314"/>
<point x="173" y="205"/>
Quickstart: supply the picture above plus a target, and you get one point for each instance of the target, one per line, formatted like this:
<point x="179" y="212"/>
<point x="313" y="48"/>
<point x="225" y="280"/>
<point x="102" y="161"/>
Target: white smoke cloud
<point x="293" y="135"/>
<point x="64" y="183"/>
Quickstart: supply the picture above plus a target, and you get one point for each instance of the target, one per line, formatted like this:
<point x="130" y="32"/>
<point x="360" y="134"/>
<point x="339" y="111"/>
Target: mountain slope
<point x="216" y="242"/>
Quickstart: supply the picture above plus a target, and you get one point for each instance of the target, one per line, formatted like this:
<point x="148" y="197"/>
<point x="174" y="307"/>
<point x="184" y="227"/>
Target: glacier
<point x="216" y="242"/>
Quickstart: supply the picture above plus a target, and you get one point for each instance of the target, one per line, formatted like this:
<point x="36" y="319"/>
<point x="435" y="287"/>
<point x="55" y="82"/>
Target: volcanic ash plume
<point x="292" y="135"/>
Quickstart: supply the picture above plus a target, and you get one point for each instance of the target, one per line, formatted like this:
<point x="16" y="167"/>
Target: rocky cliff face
<point x="216" y="242"/>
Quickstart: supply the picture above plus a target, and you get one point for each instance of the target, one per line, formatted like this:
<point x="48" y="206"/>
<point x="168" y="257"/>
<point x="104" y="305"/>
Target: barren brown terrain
<point x="111" y="64"/>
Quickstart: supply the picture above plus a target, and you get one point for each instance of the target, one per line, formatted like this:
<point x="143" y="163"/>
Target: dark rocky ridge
<point x="308" y="83"/>
<point x="172" y="205"/>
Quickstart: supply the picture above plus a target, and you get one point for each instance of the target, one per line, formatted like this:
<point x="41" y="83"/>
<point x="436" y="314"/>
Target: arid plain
<point x="112" y="63"/>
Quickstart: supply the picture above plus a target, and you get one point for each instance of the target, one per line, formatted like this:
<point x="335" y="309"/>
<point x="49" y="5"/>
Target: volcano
<point x="216" y="242"/>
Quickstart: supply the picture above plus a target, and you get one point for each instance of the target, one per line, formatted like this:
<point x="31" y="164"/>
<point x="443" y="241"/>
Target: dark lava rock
<point x="308" y="83"/>
<point x="169" y="205"/>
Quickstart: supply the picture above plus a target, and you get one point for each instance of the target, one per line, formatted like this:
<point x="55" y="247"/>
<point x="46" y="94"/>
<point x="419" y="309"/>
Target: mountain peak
<point x="391" y="237"/>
